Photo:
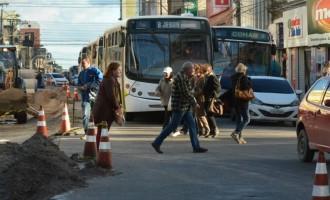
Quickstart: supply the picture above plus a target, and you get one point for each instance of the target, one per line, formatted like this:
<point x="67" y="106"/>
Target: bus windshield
<point x="227" y="54"/>
<point x="150" y="53"/>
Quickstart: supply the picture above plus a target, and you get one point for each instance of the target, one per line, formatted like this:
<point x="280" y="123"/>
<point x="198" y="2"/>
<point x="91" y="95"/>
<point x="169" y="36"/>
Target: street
<point x="265" y="168"/>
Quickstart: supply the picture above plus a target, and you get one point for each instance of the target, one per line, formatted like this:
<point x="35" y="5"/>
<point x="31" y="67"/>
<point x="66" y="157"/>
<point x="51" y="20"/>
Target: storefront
<point x="306" y="42"/>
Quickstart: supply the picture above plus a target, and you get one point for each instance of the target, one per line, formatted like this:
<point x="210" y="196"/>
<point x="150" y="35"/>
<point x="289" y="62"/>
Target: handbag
<point x="215" y="106"/>
<point x="246" y="95"/>
<point x="119" y="117"/>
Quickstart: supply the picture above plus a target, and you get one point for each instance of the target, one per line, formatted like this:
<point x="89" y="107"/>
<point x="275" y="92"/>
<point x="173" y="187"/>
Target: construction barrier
<point x="90" y="150"/>
<point x="68" y="92"/>
<point x="75" y="94"/>
<point x="321" y="185"/>
<point x="105" y="155"/>
<point x="65" y="124"/>
<point x="41" y="124"/>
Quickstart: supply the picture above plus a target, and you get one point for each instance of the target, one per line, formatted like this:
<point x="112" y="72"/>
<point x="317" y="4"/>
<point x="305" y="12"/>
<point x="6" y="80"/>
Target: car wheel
<point x="305" y="154"/>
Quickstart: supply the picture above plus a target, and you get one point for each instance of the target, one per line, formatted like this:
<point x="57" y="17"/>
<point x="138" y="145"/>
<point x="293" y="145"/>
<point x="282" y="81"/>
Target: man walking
<point x="89" y="80"/>
<point x="183" y="102"/>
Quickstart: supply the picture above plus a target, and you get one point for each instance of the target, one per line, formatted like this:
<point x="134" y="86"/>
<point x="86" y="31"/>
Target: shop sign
<point x="318" y="18"/>
<point x="221" y="3"/>
<point x="295" y="27"/>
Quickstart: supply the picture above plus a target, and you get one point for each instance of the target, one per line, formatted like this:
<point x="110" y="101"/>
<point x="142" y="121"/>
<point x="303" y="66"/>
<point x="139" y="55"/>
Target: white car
<point x="56" y="79"/>
<point x="275" y="100"/>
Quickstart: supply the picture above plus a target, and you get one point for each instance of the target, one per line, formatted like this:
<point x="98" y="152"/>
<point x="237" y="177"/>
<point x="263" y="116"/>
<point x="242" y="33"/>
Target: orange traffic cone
<point x="90" y="150"/>
<point x="41" y="124"/>
<point x="64" y="87"/>
<point x="75" y="94"/>
<point x="105" y="155"/>
<point x="65" y="125"/>
<point x="68" y="92"/>
<point x="321" y="185"/>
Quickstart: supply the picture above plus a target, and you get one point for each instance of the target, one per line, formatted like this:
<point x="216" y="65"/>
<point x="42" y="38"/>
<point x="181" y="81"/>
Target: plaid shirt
<point x="182" y="97"/>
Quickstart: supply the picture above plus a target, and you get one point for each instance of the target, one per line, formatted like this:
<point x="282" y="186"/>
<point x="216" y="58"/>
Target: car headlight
<point x="256" y="101"/>
<point x="295" y="102"/>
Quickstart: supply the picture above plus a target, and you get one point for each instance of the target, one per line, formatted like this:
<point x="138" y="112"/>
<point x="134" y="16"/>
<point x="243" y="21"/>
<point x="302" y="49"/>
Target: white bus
<point x="95" y="51"/>
<point x="233" y="45"/>
<point x="145" y="46"/>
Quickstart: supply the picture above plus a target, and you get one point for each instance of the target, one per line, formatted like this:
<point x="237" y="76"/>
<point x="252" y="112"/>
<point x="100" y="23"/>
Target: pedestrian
<point x="108" y="99"/>
<point x="164" y="91"/>
<point x="89" y="80"/>
<point x="212" y="90"/>
<point x="198" y="82"/>
<point x="241" y="106"/>
<point x="39" y="80"/>
<point x="183" y="102"/>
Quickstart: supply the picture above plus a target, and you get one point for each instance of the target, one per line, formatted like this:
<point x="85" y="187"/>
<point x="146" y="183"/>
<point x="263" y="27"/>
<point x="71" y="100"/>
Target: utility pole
<point x="238" y="12"/>
<point x="1" y="20"/>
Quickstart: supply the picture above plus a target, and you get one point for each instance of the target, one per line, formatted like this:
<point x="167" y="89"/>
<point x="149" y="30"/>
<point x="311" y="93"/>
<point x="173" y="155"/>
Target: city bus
<point x="95" y="50"/>
<point x="145" y="45"/>
<point x="233" y="45"/>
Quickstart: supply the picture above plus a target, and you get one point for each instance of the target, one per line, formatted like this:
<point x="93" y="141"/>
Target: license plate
<point x="276" y="111"/>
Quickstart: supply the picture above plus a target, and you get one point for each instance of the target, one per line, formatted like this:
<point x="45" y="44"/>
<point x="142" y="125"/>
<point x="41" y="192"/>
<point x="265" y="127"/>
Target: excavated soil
<point x="37" y="169"/>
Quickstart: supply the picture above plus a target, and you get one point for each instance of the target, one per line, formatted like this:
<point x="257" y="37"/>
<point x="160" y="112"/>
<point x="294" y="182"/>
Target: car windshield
<point x="271" y="86"/>
<point x="57" y="75"/>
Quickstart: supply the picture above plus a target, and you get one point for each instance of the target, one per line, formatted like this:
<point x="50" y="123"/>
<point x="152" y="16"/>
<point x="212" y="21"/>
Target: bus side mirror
<point x="79" y="60"/>
<point x="121" y="39"/>
<point x="215" y="46"/>
<point x="273" y="50"/>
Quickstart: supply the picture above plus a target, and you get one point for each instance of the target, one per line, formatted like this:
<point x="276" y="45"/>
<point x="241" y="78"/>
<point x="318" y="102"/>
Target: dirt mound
<point x="52" y="102"/>
<point x="36" y="169"/>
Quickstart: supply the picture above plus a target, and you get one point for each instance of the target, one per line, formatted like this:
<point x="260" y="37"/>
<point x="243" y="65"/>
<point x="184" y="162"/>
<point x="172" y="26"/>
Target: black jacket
<point x="245" y="84"/>
<point x="212" y="87"/>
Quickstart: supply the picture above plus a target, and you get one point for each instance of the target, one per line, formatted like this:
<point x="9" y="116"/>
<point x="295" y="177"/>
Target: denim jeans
<point x="177" y="116"/>
<point x="242" y="119"/>
<point x="86" y="108"/>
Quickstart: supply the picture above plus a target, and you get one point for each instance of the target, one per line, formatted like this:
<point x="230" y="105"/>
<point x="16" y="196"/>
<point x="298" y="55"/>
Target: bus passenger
<point x="89" y="80"/>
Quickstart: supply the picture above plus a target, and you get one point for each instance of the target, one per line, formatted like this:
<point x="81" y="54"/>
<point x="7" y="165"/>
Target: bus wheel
<point x="129" y="116"/>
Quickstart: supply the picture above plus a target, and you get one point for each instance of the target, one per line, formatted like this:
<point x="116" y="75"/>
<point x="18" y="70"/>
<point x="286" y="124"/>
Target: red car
<point x="313" y="129"/>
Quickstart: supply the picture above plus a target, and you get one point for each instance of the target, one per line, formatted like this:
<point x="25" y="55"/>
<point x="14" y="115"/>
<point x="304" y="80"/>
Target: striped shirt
<point x="182" y="97"/>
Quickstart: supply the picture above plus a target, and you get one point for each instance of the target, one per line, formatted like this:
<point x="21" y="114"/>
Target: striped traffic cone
<point x="68" y="92"/>
<point x="41" y="124"/>
<point x="105" y="155"/>
<point x="65" y="124"/>
<point x="75" y="94"/>
<point x="90" y="150"/>
<point x="321" y="185"/>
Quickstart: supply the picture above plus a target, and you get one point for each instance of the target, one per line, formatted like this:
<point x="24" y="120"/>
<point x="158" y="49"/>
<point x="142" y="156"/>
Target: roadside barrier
<point x="65" y="124"/>
<point x="90" y="150"/>
<point x="321" y="185"/>
<point x="41" y="124"/>
<point x="75" y="94"/>
<point x="68" y="92"/>
<point x="105" y="155"/>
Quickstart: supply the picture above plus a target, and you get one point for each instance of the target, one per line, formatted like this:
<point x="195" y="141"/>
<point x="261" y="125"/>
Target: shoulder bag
<point x="245" y="95"/>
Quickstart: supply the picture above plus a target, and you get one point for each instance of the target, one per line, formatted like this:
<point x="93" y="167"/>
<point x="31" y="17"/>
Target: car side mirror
<point x="327" y="102"/>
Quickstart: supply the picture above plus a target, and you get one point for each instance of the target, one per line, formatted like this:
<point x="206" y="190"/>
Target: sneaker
<point x="83" y="137"/>
<point x="200" y="150"/>
<point x="235" y="136"/>
<point x="177" y="133"/>
<point x="183" y="132"/>
<point x="241" y="140"/>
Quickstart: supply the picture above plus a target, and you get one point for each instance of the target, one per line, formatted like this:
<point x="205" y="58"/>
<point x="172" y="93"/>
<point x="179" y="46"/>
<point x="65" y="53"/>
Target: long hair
<point x="111" y="67"/>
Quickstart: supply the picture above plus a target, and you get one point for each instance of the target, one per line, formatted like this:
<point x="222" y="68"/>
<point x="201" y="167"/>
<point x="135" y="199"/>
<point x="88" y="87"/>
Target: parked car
<point x="313" y="121"/>
<point x="75" y="80"/>
<point x="275" y="100"/>
<point x="55" y="78"/>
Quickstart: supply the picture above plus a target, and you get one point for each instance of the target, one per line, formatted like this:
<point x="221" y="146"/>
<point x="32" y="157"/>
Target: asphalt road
<point x="266" y="167"/>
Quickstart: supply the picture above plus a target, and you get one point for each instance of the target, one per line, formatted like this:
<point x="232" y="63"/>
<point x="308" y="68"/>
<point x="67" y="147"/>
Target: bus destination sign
<point x="166" y="24"/>
<point x="240" y="34"/>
